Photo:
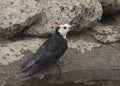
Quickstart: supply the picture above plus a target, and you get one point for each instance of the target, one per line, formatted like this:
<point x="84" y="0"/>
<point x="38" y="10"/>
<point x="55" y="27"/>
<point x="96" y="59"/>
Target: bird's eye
<point x="65" y="27"/>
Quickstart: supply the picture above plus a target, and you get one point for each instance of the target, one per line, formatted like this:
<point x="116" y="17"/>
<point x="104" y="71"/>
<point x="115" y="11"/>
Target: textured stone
<point x="106" y="33"/>
<point x="15" y="15"/>
<point x="84" y="12"/>
<point x="116" y="18"/>
<point x="9" y="53"/>
<point x="111" y="6"/>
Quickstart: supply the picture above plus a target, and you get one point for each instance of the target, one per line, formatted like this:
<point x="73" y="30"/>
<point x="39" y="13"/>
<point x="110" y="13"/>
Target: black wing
<point x="49" y="52"/>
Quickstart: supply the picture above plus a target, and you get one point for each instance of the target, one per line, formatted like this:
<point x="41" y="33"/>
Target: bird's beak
<point x="74" y="26"/>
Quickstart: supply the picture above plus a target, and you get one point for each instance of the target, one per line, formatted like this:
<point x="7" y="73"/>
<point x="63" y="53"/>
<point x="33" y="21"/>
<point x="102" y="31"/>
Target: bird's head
<point x="63" y="29"/>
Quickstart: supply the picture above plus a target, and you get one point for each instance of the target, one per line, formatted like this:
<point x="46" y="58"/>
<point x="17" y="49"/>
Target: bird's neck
<point x="62" y="35"/>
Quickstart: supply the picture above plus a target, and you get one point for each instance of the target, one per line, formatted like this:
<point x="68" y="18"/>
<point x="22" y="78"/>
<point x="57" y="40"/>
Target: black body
<point x="48" y="53"/>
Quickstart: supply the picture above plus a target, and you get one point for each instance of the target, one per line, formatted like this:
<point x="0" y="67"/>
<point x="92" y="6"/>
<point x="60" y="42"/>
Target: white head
<point x="63" y="29"/>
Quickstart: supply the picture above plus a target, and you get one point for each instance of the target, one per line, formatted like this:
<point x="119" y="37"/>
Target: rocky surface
<point x="85" y="12"/>
<point x="116" y="19"/>
<point x="9" y="53"/>
<point x="106" y="33"/>
<point x="15" y="15"/>
<point x="111" y="6"/>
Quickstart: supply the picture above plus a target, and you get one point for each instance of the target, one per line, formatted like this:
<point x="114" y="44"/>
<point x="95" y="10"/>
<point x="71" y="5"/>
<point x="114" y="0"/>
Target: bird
<point x="49" y="52"/>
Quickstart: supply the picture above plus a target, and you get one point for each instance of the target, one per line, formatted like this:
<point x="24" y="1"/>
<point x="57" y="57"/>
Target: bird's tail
<point x="29" y="71"/>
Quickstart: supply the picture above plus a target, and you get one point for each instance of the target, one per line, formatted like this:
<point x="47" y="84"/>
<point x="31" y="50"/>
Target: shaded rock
<point x="110" y="19"/>
<point x="106" y="33"/>
<point x="116" y="18"/>
<point x="15" y="15"/>
<point x="111" y="6"/>
<point x="84" y="12"/>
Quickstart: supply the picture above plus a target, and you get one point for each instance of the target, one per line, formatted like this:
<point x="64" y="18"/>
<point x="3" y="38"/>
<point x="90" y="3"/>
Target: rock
<point x="9" y="53"/>
<point x="111" y="6"/>
<point x="116" y="18"/>
<point x="15" y="15"/>
<point x="110" y="19"/>
<point x="106" y="33"/>
<point x="85" y="12"/>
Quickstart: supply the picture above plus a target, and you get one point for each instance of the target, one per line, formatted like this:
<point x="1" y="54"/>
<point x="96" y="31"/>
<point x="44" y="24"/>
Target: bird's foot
<point x="60" y="62"/>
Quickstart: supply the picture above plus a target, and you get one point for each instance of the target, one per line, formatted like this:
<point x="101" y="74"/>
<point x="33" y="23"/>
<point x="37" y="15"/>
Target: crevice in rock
<point x="106" y="18"/>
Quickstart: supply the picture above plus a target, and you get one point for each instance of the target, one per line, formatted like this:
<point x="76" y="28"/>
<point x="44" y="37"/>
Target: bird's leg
<point x="57" y="63"/>
<point x="59" y="68"/>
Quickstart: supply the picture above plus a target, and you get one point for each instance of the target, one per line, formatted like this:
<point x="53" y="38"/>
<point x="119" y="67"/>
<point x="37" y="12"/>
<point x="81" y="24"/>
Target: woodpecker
<point x="50" y="52"/>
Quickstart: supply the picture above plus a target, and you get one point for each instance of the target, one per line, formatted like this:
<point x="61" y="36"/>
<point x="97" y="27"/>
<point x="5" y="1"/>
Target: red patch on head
<point x="61" y="24"/>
